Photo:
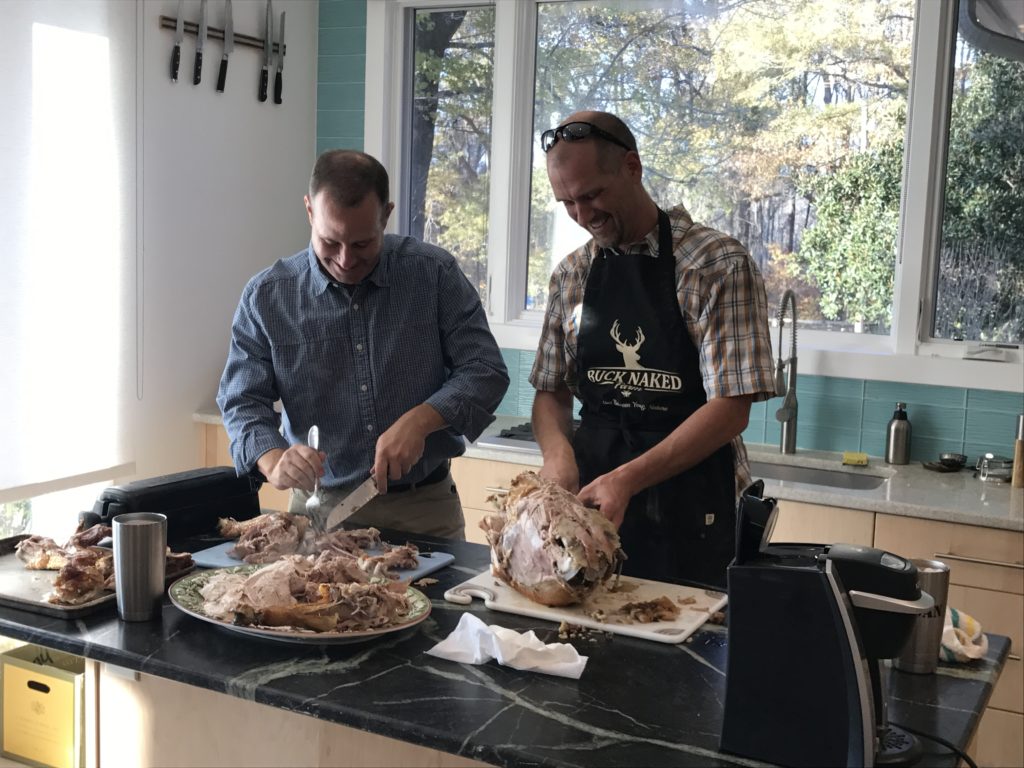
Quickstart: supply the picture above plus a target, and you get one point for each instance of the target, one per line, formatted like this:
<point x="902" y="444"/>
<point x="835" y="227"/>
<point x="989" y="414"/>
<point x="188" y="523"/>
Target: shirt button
<point x="363" y="388"/>
<point x="359" y="347"/>
<point x="355" y="306"/>
<point x="369" y="427"/>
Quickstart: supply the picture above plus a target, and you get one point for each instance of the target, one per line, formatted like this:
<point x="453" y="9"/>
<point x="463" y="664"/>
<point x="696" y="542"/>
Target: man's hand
<point x="609" y="493"/>
<point x="401" y="446"/>
<point x="297" y="467"/>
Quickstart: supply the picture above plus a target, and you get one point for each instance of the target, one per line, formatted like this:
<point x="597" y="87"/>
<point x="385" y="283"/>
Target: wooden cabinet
<point x="806" y="523"/>
<point x="215" y="451"/>
<point x="149" y="721"/>
<point x="986" y="579"/>
<point x="477" y="480"/>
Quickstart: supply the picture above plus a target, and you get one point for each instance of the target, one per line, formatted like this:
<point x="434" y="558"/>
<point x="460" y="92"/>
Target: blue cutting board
<point x="217" y="557"/>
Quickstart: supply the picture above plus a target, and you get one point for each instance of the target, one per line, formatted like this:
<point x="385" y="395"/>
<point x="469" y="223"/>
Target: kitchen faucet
<point x="785" y="386"/>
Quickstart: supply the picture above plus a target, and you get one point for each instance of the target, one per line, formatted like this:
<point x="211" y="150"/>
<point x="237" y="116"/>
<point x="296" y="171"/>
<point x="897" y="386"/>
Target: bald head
<point x="609" y="155"/>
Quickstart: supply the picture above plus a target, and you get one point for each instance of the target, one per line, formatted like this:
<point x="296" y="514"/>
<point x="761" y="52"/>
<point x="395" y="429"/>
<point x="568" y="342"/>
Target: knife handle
<point x="263" y="84"/>
<point x="175" y="61"/>
<point x="277" y="87"/>
<point x="222" y="75"/>
<point x="197" y="70"/>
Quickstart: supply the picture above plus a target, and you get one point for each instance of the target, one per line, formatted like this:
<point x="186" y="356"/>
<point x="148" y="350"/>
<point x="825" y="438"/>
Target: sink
<point x="814" y="476"/>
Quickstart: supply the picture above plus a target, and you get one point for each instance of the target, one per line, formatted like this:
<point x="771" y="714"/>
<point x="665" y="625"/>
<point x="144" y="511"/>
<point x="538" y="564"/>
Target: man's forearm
<point x="552" y="422"/>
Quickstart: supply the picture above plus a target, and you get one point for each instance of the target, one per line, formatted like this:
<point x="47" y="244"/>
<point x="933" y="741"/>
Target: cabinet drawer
<point x="478" y="479"/>
<point x="1009" y="692"/>
<point x="818" y="524"/>
<point x="1000" y="739"/>
<point x="989" y="558"/>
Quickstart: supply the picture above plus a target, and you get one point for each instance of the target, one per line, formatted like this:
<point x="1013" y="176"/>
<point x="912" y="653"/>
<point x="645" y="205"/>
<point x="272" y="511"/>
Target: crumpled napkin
<point x="962" y="638"/>
<point x="473" y="642"/>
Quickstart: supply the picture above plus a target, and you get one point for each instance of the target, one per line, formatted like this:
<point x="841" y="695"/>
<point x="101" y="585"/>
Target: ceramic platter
<point x="185" y="595"/>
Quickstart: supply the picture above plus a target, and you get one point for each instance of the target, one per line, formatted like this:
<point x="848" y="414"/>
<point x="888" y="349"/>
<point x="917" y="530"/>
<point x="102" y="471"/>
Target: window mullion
<point x="512" y="122"/>
<point x="922" y="186"/>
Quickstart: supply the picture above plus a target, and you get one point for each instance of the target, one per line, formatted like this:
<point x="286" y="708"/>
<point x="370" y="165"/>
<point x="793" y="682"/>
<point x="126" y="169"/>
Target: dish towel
<point x="962" y="638"/>
<point x="473" y="642"/>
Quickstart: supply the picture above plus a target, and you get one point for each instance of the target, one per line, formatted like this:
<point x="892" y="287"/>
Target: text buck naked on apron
<point x="639" y="379"/>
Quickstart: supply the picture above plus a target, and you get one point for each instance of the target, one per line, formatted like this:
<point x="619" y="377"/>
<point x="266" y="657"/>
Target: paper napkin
<point x="473" y="642"/>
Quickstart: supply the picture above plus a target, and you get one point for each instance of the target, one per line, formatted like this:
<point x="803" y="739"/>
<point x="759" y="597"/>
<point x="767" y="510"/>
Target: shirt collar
<point x="321" y="281"/>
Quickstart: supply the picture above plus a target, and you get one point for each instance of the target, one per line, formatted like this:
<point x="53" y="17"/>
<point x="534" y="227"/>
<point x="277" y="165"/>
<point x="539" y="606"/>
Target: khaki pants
<point x="434" y="510"/>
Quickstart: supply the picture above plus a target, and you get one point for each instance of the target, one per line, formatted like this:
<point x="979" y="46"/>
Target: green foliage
<point x="850" y="251"/>
<point x="15" y="517"/>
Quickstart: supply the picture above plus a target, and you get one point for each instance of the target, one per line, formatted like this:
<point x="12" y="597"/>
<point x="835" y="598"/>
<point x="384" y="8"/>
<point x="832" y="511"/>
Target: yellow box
<point x="41" y="706"/>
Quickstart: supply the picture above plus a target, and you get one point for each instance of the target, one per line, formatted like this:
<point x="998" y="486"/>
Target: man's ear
<point x="309" y="208"/>
<point x="386" y="214"/>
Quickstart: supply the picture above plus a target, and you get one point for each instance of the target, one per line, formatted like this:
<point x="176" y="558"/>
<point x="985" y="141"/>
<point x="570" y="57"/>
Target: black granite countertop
<point x="637" y="703"/>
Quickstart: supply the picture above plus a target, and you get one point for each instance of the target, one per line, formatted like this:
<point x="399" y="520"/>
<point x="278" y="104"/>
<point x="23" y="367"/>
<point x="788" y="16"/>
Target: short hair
<point x="348" y="176"/>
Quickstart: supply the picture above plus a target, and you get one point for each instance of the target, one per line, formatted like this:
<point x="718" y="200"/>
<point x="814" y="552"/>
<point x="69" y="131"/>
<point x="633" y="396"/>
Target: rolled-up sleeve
<point x="247" y="392"/>
<point x="478" y="378"/>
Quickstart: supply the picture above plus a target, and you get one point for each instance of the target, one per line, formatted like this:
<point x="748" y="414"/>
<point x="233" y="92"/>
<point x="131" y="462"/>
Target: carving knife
<point x="197" y="70"/>
<point x="229" y="46"/>
<point x="268" y="52"/>
<point x="352" y="503"/>
<point x="280" y="62"/>
<point x="179" y="35"/>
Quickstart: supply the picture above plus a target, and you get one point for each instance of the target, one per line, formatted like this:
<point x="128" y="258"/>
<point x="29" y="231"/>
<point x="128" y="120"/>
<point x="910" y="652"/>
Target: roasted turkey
<point x="549" y="547"/>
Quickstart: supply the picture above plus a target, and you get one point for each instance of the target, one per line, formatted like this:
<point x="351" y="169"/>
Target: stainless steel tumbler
<point x="140" y="545"/>
<point x="921" y="653"/>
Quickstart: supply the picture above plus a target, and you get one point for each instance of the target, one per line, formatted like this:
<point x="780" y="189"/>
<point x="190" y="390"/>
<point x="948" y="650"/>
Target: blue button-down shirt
<point x="353" y="359"/>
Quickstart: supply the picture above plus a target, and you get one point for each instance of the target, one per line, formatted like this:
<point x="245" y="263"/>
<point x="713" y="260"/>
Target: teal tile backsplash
<point x="837" y="414"/>
<point x="341" y="75"/>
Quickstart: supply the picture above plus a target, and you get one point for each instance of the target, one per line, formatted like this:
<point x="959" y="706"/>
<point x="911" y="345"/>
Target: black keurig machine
<point x="808" y="627"/>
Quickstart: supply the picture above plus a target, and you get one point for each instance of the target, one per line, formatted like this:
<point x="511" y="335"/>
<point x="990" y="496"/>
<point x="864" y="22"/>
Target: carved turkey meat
<point x="549" y="547"/>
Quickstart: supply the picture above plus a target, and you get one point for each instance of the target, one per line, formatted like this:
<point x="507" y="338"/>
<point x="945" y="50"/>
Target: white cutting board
<point x="499" y="596"/>
<point x="217" y="557"/>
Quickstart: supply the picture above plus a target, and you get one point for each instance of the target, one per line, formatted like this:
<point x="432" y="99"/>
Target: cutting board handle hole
<point x="37" y="686"/>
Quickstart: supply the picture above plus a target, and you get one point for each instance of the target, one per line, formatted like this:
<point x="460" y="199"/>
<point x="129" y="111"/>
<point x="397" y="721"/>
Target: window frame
<point x="907" y="354"/>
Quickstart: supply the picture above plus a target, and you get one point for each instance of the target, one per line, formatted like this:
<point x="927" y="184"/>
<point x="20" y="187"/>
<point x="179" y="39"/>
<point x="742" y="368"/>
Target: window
<point x="779" y="123"/>
<point x="815" y="131"/>
<point x="67" y="210"/>
<point x="448" y="188"/>
<point x="979" y="277"/>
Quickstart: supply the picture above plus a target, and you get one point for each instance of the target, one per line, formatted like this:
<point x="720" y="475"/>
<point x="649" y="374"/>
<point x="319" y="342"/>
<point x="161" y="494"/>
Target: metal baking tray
<point x="26" y="590"/>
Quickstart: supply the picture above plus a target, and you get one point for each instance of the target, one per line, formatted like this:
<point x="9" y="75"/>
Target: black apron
<point x="639" y="379"/>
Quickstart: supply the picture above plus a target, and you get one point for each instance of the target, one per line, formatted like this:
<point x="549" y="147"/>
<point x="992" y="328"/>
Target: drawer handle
<point x="1013" y="657"/>
<point x="978" y="560"/>
<point x="496" y="490"/>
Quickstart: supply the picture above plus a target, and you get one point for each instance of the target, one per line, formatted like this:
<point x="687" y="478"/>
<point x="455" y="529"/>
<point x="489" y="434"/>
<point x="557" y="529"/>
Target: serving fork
<point x="313" y="502"/>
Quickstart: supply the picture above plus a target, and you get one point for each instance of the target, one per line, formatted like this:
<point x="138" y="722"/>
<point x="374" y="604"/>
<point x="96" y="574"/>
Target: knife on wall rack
<point x="268" y="52"/>
<point x="278" y="84"/>
<point x="229" y="46"/>
<point x="197" y="69"/>
<point x="215" y="33"/>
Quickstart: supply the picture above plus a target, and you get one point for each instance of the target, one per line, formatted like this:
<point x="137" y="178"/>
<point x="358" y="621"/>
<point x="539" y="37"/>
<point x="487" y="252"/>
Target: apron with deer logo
<point x="639" y="379"/>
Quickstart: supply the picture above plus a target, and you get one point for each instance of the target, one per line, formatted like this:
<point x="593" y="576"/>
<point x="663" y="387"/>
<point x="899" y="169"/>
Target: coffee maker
<point x="809" y="626"/>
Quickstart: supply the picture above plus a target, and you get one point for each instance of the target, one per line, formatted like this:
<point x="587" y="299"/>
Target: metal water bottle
<point x="897" y="437"/>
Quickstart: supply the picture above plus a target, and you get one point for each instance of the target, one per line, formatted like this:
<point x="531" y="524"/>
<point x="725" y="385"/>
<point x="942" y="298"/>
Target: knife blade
<point x="179" y="35"/>
<point x="280" y="63"/>
<point x="197" y="69"/>
<point x="229" y="46"/>
<point x="352" y="503"/>
<point x="268" y="52"/>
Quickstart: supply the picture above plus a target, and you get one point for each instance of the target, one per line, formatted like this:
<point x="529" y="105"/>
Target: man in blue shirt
<point x="380" y="341"/>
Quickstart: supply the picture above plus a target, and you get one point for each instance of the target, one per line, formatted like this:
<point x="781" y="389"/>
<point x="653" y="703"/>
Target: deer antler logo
<point x="630" y="352"/>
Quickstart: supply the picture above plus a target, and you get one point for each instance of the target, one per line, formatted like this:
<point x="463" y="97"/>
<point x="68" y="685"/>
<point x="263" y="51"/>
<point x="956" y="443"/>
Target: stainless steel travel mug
<point x="921" y="653"/>
<point x="140" y="561"/>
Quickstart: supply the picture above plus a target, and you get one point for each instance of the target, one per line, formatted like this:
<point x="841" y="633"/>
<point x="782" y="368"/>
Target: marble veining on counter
<point x="637" y="703"/>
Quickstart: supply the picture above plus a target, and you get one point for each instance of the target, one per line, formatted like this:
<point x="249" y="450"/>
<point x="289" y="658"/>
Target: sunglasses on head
<point x="576" y="132"/>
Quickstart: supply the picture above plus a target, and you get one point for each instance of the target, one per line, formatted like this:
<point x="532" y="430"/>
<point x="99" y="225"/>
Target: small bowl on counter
<point x="952" y="460"/>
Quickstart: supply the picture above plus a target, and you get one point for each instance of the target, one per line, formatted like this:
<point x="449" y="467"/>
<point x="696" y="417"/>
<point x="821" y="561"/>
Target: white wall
<point x="223" y="177"/>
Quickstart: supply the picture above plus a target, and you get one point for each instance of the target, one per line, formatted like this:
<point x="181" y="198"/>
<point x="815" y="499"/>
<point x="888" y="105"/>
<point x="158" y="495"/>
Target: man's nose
<point x="345" y="256"/>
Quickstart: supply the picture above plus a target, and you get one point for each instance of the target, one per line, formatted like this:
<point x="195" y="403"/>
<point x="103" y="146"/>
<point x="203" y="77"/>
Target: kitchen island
<point x="637" y="703"/>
